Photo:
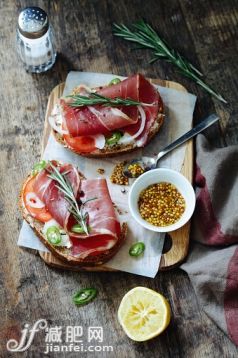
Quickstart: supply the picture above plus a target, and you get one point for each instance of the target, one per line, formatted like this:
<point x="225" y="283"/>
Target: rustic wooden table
<point x="206" y="33"/>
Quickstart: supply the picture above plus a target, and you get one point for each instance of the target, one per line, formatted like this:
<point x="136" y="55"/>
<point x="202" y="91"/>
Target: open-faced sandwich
<point x="73" y="216"/>
<point x="109" y="120"/>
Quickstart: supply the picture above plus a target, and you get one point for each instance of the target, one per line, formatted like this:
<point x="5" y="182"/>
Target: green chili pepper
<point x="38" y="167"/>
<point x="53" y="235"/>
<point x="115" y="137"/>
<point x="84" y="296"/>
<point x="137" y="249"/>
<point x="78" y="229"/>
<point x="114" y="81"/>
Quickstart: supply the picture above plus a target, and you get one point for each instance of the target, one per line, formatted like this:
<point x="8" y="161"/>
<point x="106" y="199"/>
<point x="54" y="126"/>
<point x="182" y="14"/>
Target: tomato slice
<point x="41" y="214"/>
<point x="84" y="144"/>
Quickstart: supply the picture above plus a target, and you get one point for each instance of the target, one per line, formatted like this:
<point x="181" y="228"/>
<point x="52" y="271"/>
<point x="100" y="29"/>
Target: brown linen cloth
<point x="212" y="264"/>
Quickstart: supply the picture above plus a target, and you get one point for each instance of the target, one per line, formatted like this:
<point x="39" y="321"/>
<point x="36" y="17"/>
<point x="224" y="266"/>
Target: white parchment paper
<point x="179" y="107"/>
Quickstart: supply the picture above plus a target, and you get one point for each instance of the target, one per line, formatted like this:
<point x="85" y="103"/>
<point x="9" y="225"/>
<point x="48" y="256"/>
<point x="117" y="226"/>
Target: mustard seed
<point x="161" y="204"/>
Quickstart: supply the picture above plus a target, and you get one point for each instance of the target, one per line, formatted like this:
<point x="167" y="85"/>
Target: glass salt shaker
<point x="35" y="40"/>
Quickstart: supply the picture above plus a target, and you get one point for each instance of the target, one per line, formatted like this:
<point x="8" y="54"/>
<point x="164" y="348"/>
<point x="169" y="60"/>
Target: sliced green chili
<point x="53" y="235"/>
<point x="38" y="167"/>
<point x="137" y="249"/>
<point x="114" y="138"/>
<point x="84" y="296"/>
<point x="78" y="229"/>
<point x="114" y="81"/>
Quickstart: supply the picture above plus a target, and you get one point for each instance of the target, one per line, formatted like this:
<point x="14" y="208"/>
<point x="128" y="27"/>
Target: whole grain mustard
<point x="135" y="170"/>
<point x="161" y="204"/>
<point x="117" y="176"/>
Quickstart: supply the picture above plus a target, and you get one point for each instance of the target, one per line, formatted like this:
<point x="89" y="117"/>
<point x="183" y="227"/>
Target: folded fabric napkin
<point x="212" y="264"/>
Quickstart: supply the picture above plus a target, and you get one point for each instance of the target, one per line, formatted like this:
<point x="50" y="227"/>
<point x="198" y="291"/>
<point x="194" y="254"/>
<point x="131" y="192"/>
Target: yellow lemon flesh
<point x="143" y="314"/>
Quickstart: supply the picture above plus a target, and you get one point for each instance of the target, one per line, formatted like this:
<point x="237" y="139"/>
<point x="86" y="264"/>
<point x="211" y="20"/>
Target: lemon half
<point x="143" y="314"/>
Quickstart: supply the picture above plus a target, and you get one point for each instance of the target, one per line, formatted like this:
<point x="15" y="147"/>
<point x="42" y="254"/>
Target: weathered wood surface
<point x="204" y="31"/>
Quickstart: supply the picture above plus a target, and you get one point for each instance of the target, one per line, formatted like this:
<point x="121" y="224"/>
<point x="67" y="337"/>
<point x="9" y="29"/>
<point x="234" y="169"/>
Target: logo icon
<point x="27" y="336"/>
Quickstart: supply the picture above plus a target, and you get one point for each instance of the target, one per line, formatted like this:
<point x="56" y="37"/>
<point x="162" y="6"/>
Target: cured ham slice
<point x="80" y="121"/>
<point x="115" y="118"/>
<point x="140" y="89"/>
<point x="128" y="88"/>
<point x="148" y="94"/>
<point x="90" y="120"/>
<point x="91" y="247"/>
<point x="54" y="200"/>
<point x="102" y="219"/>
<point x="104" y="228"/>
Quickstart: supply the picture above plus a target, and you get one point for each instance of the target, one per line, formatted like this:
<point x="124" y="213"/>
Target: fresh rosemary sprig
<point x="65" y="187"/>
<point x="146" y="38"/>
<point x="94" y="98"/>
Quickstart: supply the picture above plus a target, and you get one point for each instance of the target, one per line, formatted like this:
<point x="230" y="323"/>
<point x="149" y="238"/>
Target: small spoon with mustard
<point x="136" y="167"/>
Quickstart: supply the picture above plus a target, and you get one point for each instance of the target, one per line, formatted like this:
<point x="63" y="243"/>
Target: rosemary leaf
<point x="66" y="188"/>
<point x="146" y="38"/>
<point x="97" y="99"/>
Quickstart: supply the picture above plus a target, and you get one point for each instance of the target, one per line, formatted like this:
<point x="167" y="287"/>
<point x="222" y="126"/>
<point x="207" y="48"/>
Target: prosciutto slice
<point x="140" y="89"/>
<point x="104" y="228"/>
<point x="85" y="121"/>
<point x="54" y="200"/>
<point x="91" y="247"/>
<point x="91" y="120"/>
<point x="102" y="219"/>
<point x="147" y="94"/>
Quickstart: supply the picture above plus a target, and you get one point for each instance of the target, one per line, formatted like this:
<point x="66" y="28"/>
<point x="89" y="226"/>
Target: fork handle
<point x="207" y="122"/>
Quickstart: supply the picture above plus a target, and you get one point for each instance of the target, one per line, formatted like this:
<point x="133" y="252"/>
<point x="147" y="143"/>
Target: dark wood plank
<point x="206" y="33"/>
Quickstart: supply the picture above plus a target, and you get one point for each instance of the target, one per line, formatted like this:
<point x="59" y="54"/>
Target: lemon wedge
<point x="143" y="314"/>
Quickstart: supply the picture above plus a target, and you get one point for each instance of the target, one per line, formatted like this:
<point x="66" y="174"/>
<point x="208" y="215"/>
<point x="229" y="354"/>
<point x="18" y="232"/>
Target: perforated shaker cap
<point x="33" y="22"/>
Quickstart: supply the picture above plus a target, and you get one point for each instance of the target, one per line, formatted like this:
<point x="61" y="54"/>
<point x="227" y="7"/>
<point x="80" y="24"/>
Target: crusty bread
<point x="117" y="149"/>
<point x="63" y="253"/>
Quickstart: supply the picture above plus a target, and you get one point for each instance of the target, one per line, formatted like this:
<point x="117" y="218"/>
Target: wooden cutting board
<point x="176" y="242"/>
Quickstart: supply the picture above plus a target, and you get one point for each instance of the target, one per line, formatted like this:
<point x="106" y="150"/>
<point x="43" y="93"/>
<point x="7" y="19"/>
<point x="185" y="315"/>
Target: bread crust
<point x="63" y="253"/>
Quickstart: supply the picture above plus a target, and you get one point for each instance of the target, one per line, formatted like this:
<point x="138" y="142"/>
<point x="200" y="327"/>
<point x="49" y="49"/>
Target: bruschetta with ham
<point x="73" y="216"/>
<point x="104" y="128"/>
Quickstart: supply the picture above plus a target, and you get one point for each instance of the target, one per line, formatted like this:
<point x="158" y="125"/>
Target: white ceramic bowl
<point x="156" y="176"/>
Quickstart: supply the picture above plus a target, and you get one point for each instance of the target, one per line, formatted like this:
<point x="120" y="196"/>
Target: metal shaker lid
<point x="33" y="22"/>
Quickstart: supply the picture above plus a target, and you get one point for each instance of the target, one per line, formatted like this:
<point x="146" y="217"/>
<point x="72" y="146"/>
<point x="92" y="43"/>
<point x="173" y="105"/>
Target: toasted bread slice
<point x="63" y="253"/>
